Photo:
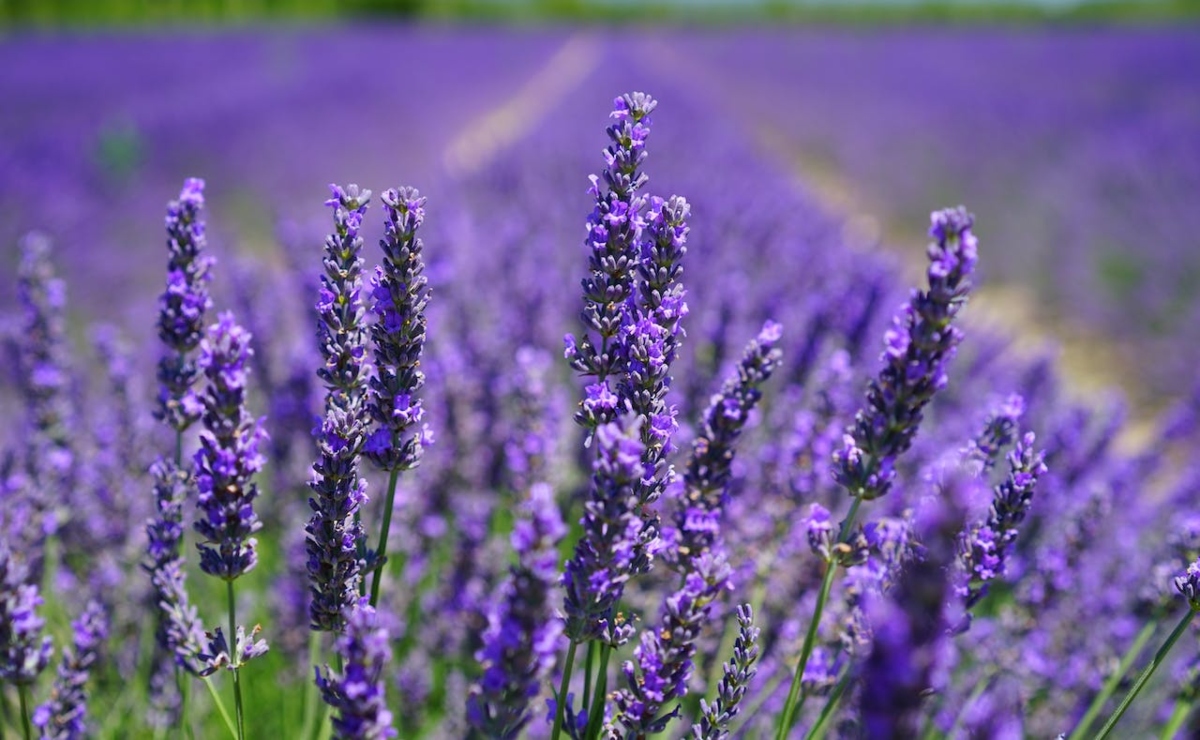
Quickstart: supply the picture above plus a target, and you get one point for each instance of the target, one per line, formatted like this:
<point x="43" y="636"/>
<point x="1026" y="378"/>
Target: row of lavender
<point x="1085" y="138"/>
<point x="787" y="448"/>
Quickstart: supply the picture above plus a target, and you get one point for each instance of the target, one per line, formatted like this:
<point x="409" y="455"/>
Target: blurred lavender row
<point x="1018" y="556"/>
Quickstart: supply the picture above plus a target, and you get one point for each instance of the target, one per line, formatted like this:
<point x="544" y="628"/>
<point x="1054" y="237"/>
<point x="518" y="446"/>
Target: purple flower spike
<point x="400" y="295"/>
<point x="24" y="652"/>
<point x="521" y="641"/>
<point x="663" y="661"/>
<point x="62" y="718"/>
<point x="918" y="348"/>
<point x="229" y="455"/>
<point x="180" y="633"/>
<point x="708" y="470"/>
<point x="609" y="552"/>
<point x="736" y="676"/>
<point x="357" y="693"/>
<point x="614" y="242"/>
<point x="338" y="490"/>
<point x="1189" y="585"/>
<point x="984" y="549"/>
<point x="182" y="307"/>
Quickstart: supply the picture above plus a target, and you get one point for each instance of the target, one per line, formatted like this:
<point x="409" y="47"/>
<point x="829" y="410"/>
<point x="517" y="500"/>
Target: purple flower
<point x="984" y="548"/>
<point x="738" y="671"/>
<point x="1189" y="585"/>
<point x="709" y="467"/>
<point x="182" y="306"/>
<point x="24" y="652"/>
<point x="334" y="534"/>
<point x="662" y="663"/>
<point x="229" y="455"/>
<point x="400" y="295"/>
<point x="62" y="718"/>
<point x="521" y="640"/>
<point x="179" y="630"/>
<point x="608" y="553"/>
<point x="357" y="692"/>
<point x="918" y="347"/>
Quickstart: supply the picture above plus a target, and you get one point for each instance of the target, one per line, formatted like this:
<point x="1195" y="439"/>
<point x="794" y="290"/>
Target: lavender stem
<point x="563" y="687"/>
<point x="23" y="693"/>
<point x="212" y="691"/>
<point x="791" y="708"/>
<point x="818" y="729"/>
<point x="1115" y="679"/>
<point x="236" y="661"/>
<point x="381" y="550"/>
<point x="1178" y="717"/>
<point x="1144" y="678"/>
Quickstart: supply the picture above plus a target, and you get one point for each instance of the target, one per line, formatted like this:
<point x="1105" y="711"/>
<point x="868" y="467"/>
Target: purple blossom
<point x="662" y="663"/>
<point x="984" y="548"/>
<point x="400" y="294"/>
<point x="179" y="631"/>
<point x="334" y="532"/>
<point x="918" y="348"/>
<point x="357" y="691"/>
<point x="229" y="455"/>
<point x="521" y="640"/>
<point x="607" y="554"/>
<point x="738" y="671"/>
<point x="182" y="307"/>
<point x="62" y="718"/>
<point x="24" y="652"/>
<point x="709" y="468"/>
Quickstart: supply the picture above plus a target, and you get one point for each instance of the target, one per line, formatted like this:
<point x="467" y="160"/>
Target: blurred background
<point x="1070" y="127"/>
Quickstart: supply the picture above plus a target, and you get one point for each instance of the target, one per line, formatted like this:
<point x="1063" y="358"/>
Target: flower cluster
<point x="356" y="691"/>
<point x="334" y="532"/>
<point x="62" y="718"/>
<point x="737" y="673"/>
<point x="182" y="307"/>
<point x="522" y="637"/>
<point x="919" y="346"/>
<point x="179" y="630"/>
<point x="400" y="294"/>
<point x="24" y="652"/>
<point x="229" y="455"/>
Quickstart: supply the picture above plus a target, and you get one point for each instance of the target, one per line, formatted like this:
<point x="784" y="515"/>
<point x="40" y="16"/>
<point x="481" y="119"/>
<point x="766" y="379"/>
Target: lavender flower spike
<point x="357" y="692"/>
<point x="182" y="306"/>
<point x="521" y="641"/>
<point x="179" y="629"/>
<point x="614" y="231"/>
<point x="229" y="455"/>
<point x="62" y="718"/>
<point x="24" y="652"/>
<point x="664" y="657"/>
<point x="605" y="556"/>
<point x="333" y="532"/>
<point x="709" y="466"/>
<point x="398" y="334"/>
<point x="984" y="548"/>
<point x="737" y="674"/>
<point x="919" y="345"/>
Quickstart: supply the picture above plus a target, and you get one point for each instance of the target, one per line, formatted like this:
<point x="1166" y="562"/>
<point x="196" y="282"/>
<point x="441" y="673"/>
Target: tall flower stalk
<point x="62" y="718"/>
<point x="400" y="294"/>
<point x="356" y="690"/>
<point x="338" y="490"/>
<point x="917" y="351"/>
<point x="225" y="464"/>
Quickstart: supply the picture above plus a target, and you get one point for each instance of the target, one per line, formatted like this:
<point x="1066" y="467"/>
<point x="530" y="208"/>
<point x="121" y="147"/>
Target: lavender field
<point x="477" y="446"/>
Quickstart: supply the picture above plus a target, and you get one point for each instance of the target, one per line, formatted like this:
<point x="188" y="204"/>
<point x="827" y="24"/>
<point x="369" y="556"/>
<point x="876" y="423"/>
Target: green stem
<point x="23" y="693"/>
<point x="1144" y="678"/>
<point x="212" y="691"/>
<point x="787" y="717"/>
<point x="1178" y="717"/>
<point x="381" y="552"/>
<point x="563" y="687"/>
<point x="588" y="665"/>
<point x="235" y="664"/>
<point x="835" y="696"/>
<point x="1114" y="680"/>
<point x="596" y="711"/>
<point x="310" y="686"/>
